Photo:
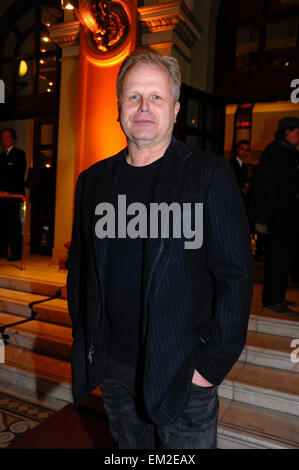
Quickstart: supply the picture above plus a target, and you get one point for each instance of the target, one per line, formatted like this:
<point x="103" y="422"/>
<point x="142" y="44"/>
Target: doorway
<point x="201" y="120"/>
<point x="42" y="183"/>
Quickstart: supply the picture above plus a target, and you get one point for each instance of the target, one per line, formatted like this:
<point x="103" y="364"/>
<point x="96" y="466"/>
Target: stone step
<point x="17" y="391"/>
<point x="33" y="286"/>
<point x="269" y="351"/>
<point x="271" y="323"/>
<point x="40" y="337"/>
<point x="43" y="377"/>
<point x="266" y="387"/>
<point x="16" y="302"/>
<point x="243" y="426"/>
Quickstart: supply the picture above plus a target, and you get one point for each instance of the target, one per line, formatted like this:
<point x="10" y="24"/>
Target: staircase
<point x="37" y="356"/>
<point x="259" y="399"/>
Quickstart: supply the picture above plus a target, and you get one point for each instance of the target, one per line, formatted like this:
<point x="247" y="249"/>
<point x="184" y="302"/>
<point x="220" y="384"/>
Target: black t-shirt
<point x="125" y="261"/>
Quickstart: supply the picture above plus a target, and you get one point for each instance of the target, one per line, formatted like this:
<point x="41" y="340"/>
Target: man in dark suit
<point x="12" y="172"/>
<point x="240" y="169"/>
<point x="239" y="166"/>
<point x="157" y="323"/>
<point x="276" y="212"/>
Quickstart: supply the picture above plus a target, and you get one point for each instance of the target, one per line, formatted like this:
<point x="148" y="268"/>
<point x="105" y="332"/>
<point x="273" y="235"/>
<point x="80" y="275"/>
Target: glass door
<point x="42" y="183"/>
<point x="201" y="120"/>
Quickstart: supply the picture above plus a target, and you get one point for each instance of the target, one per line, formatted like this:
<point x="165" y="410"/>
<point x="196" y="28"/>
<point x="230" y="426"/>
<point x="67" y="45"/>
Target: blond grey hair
<point x="150" y="56"/>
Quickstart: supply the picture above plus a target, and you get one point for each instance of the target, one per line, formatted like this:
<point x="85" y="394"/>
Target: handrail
<point x="12" y="195"/>
<point x="5" y="337"/>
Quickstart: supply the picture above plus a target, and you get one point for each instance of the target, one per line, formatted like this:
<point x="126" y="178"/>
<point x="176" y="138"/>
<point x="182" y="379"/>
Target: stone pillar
<point x="66" y="35"/>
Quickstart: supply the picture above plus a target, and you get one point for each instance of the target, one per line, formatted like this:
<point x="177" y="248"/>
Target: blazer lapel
<point x="165" y="190"/>
<point x="105" y="191"/>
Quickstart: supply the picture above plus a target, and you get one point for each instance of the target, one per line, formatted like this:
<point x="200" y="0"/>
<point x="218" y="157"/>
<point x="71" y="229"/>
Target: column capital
<point x="65" y="34"/>
<point x="170" y="17"/>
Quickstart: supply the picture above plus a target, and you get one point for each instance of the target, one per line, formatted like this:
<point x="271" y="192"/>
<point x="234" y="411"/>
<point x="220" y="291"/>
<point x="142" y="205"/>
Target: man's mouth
<point x="143" y="121"/>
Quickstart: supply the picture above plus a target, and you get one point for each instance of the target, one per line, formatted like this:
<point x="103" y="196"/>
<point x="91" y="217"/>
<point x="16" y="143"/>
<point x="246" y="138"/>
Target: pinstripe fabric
<point x="196" y="303"/>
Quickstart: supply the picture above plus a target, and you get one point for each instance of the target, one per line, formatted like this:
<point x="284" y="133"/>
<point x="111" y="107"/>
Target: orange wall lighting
<point x="98" y="133"/>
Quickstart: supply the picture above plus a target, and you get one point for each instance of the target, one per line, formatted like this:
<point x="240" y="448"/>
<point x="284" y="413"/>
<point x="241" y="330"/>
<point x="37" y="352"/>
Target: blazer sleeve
<point x="227" y="237"/>
<point x="73" y="262"/>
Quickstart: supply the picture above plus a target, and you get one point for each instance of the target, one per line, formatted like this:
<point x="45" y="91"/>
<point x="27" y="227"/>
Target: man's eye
<point x="134" y="97"/>
<point x="156" y="97"/>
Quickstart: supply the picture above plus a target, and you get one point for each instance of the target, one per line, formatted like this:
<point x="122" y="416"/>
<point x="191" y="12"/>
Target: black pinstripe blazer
<point x="197" y="301"/>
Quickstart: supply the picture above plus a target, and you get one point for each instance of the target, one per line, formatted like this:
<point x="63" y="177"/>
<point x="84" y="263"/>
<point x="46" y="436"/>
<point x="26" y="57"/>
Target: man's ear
<point x="176" y="109"/>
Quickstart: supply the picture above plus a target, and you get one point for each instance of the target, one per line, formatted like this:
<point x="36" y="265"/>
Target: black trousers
<point x="11" y="228"/>
<point x="280" y="252"/>
<point x="195" y="428"/>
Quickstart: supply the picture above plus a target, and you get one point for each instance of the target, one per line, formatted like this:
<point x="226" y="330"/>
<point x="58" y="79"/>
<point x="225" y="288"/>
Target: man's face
<point x="243" y="151"/>
<point x="147" y="108"/>
<point x="292" y="136"/>
<point x="7" y="139"/>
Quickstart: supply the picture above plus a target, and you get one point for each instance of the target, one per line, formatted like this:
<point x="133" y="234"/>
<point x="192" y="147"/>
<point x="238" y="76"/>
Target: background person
<point x="276" y="212"/>
<point x="12" y="173"/>
<point x="240" y="155"/>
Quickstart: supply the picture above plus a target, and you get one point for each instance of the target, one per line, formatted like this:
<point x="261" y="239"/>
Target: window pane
<point x="281" y="39"/>
<point x="26" y="20"/>
<point x="193" y="113"/>
<point x="51" y="15"/>
<point x="8" y="46"/>
<point x="47" y="75"/>
<point x="27" y="47"/>
<point x="247" y="47"/>
<point x="210" y="127"/>
<point x="249" y="9"/>
<point x="281" y="33"/>
<point x="46" y="134"/>
<point x="219" y="119"/>
<point x="45" y="159"/>
<point x="192" y="140"/>
<point x="210" y="145"/>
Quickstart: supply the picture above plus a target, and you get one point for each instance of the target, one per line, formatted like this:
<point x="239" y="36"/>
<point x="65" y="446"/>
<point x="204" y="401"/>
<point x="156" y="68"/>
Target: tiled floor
<point x="18" y="416"/>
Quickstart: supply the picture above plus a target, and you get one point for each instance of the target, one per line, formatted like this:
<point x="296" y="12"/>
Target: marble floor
<point x="36" y="267"/>
<point x="18" y="416"/>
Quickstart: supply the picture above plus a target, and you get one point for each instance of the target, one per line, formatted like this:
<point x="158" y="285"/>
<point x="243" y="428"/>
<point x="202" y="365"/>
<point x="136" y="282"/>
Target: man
<point x="157" y="325"/>
<point x="239" y="166"/>
<point x="12" y="172"/>
<point x="276" y="212"/>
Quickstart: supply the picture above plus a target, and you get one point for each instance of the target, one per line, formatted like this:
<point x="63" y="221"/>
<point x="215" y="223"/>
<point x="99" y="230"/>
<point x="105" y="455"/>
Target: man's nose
<point x="144" y="106"/>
